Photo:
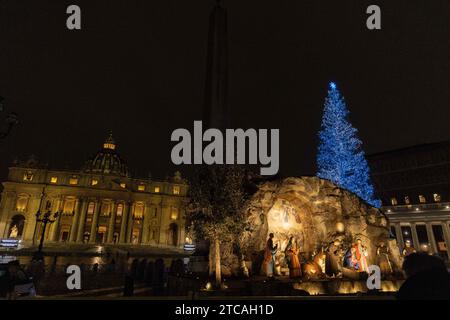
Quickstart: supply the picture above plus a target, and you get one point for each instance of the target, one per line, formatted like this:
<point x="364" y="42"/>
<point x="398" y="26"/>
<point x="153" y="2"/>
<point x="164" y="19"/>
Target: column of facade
<point x="398" y="231"/>
<point x="123" y="224"/>
<point x="53" y="236"/>
<point x="431" y="238"/>
<point x="146" y="223"/>
<point x="164" y="224"/>
<point x="446" y="230"/>
<point x="7" y="208"/>
<point x="30" y="222"/>
<point x="93" y="234"/>
<point x="112" y="222"/>
<point x="81" y="224"/>
<point x="415" y="237"/>
<point x="182" y="228"/>
<point x="75" y="221"/>
<point x="130" y="224"/>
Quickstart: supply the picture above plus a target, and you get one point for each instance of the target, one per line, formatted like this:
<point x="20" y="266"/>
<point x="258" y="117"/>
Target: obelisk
<point x="215" y="113"/>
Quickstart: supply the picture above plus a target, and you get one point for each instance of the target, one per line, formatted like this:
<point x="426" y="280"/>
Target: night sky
<point x="137" y="68"/>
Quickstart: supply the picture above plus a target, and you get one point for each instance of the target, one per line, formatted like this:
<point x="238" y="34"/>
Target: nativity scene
<point x="309" y="229"/>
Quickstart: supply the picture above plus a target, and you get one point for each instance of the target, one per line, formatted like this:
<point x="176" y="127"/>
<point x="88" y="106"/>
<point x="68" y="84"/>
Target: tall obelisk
<point x="215" y="113"/>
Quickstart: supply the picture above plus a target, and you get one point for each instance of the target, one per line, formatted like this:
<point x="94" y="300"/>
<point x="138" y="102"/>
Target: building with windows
<point x="100" y="203"/>
<point x="414" y="186"/>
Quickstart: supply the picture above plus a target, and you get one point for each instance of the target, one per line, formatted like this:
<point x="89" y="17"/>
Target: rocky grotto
<point x="325" y="222"/>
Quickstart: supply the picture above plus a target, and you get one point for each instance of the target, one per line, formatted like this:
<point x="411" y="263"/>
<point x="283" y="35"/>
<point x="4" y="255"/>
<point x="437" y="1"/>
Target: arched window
<point x="69" y="205"/>
<point x="91" y="208"/>
<point x="22" y="203"/>
<point x="16" y="226"/>
<point x="138" y="210"/>
<point x="106" y="209"/>
<point x="119" y="211"/>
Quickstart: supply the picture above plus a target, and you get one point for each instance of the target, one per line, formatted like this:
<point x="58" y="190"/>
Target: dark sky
<point x="137" y="67"/>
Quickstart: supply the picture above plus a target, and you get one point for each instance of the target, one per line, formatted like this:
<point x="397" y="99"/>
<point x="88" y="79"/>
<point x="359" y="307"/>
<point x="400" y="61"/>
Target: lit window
<point x="141" y="187"/>
<point x="69" y="206"/>
<point x="73" y="180"/>
<point x="105" y="210"/>
<point x="406" y="200"/>
<point x="53" y="179"/>
<point x="28" y="176"/>
<point x="109" y="145"/>
<point x="422" y="199"/>
<point x="123" y="185"/>
<point x="437" y="197"/>
<point x="91" y="208"/>
<point x="157" y="189"/>
<point x="94" y="182"/>
<point x="174" y="214"/>
<point x="176" y="190"/>
<point x="139" y="210"/>
<point x="119" y="210"/>
<point x="22" y="203"/>
<point x="394" y="201"/>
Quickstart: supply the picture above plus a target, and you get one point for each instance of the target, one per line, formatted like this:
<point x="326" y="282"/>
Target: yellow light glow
<point x="73" y="180"/>
<point x="157" y="189"/>
<point x="22" y="203"/>
<point x="141" y="187"/>
<point x="176" y="190"/>
<point x="139" y="210"/>
<point x="123" y="185"/>
<point x="109" y="145"/>
<point x="54" y="179"/>
<point x="174" y="214"/>
<point x="94" y="182"/>
<point x="340" y="227"/>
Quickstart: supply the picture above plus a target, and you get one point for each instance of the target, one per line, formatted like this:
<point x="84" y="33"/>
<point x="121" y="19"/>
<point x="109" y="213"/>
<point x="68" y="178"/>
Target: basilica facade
<point x="98" y="204"/>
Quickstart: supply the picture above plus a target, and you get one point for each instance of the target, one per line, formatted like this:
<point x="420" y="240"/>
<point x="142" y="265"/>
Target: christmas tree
<point x="340" y="157"/>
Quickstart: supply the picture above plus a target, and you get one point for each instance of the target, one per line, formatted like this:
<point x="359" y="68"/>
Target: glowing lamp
<point x="340" y="227"/>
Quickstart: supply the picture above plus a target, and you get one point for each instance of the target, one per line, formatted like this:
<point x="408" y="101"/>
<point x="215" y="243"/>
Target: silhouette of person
<point x="427" y="278"/>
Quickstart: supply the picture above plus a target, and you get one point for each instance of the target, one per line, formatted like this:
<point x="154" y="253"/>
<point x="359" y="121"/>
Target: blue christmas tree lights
<point x="340" y="157"/>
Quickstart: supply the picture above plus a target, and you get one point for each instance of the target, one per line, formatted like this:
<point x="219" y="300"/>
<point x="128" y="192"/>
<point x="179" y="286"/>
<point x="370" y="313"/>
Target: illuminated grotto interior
<point x="325" y="221"/>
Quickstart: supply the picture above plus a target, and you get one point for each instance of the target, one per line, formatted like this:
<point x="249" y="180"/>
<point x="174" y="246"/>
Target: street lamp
<point x="11" y="120"/>
<point x="45" y="219"/>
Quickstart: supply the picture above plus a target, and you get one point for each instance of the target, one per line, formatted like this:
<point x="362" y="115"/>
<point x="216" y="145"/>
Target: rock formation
<point x="318" y="214"/>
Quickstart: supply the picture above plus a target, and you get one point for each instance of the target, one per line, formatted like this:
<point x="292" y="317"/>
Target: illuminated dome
<point x="107" y="161"/>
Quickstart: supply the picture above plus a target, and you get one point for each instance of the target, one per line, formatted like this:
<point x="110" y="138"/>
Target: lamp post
<point x="45" y="219"/>
<point x="11" y="120"/>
